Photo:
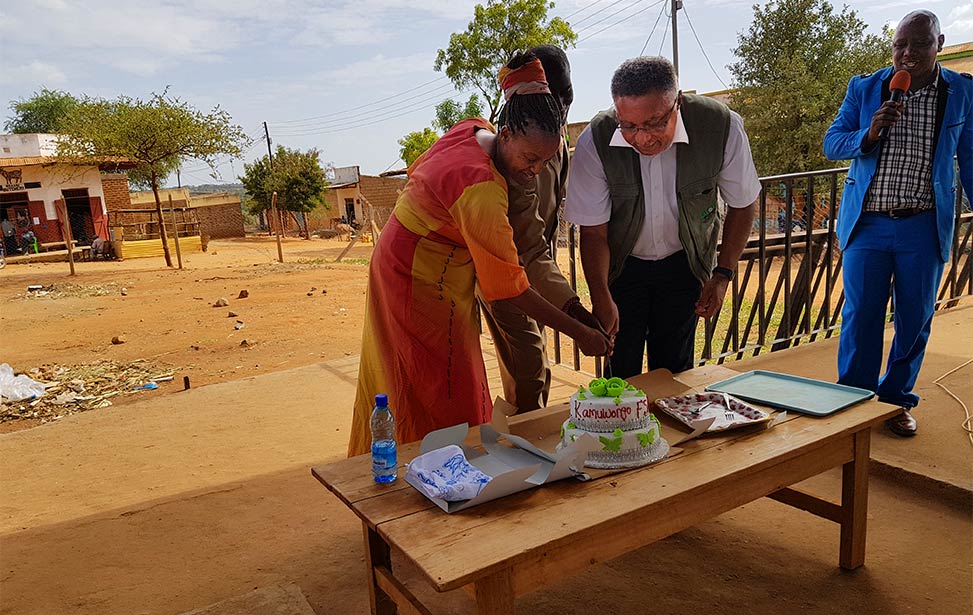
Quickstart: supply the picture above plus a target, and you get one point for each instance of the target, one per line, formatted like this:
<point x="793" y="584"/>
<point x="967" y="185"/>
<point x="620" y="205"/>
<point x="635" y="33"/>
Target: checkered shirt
<point x="903" y="177"/>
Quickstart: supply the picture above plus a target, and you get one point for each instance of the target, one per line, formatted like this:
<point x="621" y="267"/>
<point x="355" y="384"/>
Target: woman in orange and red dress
<point x="421" y="340"/>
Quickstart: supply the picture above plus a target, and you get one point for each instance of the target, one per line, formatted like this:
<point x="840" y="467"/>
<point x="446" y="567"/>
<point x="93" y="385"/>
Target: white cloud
<point x="33" y="72"/>
<point x="958" y="26"/>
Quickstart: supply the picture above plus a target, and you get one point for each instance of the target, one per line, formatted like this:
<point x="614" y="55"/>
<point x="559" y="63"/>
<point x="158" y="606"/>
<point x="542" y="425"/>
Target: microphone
<point x="898" y="86"/>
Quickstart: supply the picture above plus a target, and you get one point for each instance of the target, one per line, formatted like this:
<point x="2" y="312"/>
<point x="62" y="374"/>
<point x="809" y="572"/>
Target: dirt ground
<point x="165" y="503"/>
<point x="305" y="310"/>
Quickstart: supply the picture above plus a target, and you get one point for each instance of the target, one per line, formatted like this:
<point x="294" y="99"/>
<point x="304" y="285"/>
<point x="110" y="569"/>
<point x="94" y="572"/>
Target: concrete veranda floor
<point x="175" y="503"/>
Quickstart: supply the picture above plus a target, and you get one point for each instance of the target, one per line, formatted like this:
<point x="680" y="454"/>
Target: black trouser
<point x="10" y="246"/>
<point x="656" y="303"/>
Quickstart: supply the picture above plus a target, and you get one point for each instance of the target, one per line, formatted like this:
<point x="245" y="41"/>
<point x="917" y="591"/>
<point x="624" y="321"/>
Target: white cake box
<point x="511" y="468"/>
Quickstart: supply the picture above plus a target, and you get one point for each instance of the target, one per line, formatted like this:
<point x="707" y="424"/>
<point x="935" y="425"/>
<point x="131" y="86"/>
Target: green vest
<point x="698" y="165"/>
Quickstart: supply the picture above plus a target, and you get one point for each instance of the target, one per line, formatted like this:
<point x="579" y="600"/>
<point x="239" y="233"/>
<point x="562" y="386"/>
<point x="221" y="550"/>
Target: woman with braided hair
<point x="420" y="343"/>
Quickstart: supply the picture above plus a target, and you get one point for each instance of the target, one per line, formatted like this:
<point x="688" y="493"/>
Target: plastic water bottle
<point x="384" y="459"/>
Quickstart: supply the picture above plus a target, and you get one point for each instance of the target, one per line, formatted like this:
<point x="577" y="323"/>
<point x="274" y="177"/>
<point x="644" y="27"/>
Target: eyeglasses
<point x="660" y="124"/>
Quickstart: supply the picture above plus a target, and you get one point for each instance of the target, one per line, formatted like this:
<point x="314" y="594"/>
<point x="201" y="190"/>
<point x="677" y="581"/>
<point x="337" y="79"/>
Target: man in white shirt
<point x="643" y="187"/>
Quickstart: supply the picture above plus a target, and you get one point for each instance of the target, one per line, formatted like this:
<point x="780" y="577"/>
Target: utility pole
<point x="270" y="154"/>
<point x="676" y="5"/>
<point x="179" y="180"/>
<point x="270" y="157"/>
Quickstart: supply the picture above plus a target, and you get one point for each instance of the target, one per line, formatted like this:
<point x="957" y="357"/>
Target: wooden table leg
<point x="854" y="504"/>
<point x="495" y="594"/>
<point x="377" y="553"/>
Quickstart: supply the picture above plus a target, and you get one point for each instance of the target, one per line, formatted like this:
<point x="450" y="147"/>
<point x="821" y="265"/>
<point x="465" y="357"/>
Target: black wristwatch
<point x="723" y="271"/>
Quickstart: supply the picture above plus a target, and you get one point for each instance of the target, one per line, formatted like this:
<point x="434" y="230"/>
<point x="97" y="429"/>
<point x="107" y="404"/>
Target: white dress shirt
<point x="588" y="201"/>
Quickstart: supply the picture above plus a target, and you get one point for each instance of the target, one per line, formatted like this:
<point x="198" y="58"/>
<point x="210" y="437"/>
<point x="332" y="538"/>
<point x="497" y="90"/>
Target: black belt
<point x="902" y="212"/>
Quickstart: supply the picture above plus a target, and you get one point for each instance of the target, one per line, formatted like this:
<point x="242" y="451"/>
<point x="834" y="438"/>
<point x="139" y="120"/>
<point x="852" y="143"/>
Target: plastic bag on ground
<point x="18" y="388"/>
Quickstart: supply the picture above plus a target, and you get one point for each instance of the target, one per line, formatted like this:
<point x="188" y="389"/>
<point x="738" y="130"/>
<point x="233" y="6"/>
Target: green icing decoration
<point x="562" y="432"/>
<point x="573" y="437"/>
<point x="582" y="396"/>
<point x="629" y="388"/>
<point x="639" y="393"/>
<point x="612" y="445"/>
<point x="618" y="433"/>
<point x="646" y="439"/>
<point x="571" y="425"/>
<point x="615" y="391"/>
<point x="598" y="386"/>
<point x="617" y="400"/>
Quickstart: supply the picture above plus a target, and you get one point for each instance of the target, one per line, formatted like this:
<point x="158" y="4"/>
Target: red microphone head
<point x="901" y="81"/>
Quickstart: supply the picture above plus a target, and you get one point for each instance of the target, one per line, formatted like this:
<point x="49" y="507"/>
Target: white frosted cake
<point x="617" y="415"/>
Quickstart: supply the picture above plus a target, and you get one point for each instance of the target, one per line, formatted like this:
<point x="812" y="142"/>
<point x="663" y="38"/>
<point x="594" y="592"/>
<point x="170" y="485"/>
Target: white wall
<point x="54" y="179"/>
<point x="25" y="145"/>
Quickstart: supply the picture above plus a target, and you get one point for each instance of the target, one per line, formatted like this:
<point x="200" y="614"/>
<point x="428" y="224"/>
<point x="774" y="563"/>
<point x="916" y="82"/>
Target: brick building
<point x="218" y="215"/>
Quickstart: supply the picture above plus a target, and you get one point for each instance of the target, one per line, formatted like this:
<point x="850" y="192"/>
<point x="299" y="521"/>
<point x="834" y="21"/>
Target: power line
<point x="664" y="33"/>
<point x="359" y="107"/>
<point x="339" y="125"/>
<point x="374" y="120"/>
<point x="627" y="17"/>
<point x="602" y="9"/>
<point x="703" y="50"/>
<point x="657" y="20"/>
<point x="399" y="105"/>
<point x="583" y="8"/>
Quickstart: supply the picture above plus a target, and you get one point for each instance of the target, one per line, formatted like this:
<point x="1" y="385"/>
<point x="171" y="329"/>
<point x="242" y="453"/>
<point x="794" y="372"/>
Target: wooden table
<point x="508" y="547"/>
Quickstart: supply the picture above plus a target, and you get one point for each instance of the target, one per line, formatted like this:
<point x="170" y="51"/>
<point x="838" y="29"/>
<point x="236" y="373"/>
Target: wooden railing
<point x="788" y="289"/>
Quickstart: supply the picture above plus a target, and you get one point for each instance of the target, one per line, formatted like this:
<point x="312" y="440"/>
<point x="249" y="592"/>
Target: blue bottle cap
<point x="382" y="400"/>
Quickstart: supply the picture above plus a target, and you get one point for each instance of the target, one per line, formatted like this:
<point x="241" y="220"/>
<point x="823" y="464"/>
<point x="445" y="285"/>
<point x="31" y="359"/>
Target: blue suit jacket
<point x="954" y="137"/>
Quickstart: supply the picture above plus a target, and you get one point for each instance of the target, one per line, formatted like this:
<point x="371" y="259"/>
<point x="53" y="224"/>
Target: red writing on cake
<point x="620" y="413"/>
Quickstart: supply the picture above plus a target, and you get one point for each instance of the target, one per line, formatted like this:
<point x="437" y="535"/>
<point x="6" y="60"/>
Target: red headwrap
<point x="528" y="79"/>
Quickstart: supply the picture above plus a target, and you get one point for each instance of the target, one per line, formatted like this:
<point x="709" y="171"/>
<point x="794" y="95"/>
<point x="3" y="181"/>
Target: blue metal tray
<point x="804" y="395"/>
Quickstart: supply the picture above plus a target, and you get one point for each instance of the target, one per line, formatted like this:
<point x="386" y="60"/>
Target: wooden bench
<point x="508" y="547"/>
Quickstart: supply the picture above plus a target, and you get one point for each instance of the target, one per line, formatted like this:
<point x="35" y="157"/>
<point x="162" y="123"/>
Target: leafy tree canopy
<point x="793" y="67"/>
<point x="152" y="135"/>
<point x="42" y="112"/>
<point x="296" y="177"/>
<point x="449" y="112"/>
<point x="415" y="144"/>
<point x="474" y="57"/>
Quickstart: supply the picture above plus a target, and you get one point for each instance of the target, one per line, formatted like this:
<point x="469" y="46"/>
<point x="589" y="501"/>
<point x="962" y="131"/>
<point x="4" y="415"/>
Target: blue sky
<point x="348" y="77"/>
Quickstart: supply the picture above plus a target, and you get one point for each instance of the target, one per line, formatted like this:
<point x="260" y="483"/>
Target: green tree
<point x="153" y="134"/>
<point x="42" y="112"/>
<point x="296" y="177"/>
<point x="474" y="57"/>
<point x="415" y="144"/>
<point x="793" y="67"/>
<point x="449" y="112"/>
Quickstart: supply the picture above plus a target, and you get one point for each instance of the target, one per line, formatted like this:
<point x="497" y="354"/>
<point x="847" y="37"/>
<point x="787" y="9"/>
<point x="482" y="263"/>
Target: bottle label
<point x="384" y="458"/>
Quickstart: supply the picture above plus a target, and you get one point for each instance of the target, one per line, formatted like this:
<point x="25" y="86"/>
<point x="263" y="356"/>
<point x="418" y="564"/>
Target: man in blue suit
<point x="895" y="223"/>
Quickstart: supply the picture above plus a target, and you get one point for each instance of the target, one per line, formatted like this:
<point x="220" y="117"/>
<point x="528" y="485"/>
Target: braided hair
<point x="524" y="111"/>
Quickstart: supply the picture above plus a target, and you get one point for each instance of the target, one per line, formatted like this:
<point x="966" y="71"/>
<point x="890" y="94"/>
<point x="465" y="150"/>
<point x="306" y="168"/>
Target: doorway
<point x="79" y="215"/>
<point x="350" y="212"/>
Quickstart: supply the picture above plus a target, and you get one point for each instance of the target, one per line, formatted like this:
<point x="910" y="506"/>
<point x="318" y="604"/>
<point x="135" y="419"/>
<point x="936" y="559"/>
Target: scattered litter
<point x="231" y="314"/>
<point x="243" y="294"/>
<point x="310" y="294"/>
<point x="239" y="325"/>
<point x="60" y="290"/>
<point x="314" y="288"/>
<point x="244" y="343"/>
<point x="118" y="339"/>
<point x="324" y="291"/>
<point x="148" y="385"/>
<point x="221" y="302"/>
<point x="124" y="292"/>
<point x="68" y="389"/>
